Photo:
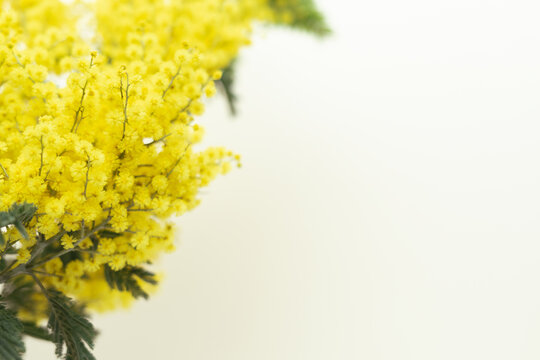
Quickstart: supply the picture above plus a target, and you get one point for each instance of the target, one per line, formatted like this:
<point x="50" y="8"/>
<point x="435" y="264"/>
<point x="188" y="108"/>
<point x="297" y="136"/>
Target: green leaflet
<point x="227" y="86"/>
<point x="71" y="331"/>
<point x="108" y="234"/>
<point x="303" y="14"/>
<point x="11" y="344"/>
<point x="126" y="279"/>
<point x="23" y="212"/>
<point x="19" y="294"/>
<point x="17" y="215"/>
<point x="35" y="331"/>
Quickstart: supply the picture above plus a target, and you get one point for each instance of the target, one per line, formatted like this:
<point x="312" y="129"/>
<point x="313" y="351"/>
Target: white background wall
<point x="389" y="204"/>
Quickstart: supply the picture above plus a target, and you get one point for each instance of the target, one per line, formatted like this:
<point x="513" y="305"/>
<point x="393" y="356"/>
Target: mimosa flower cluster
<point x="97" y="129"/>
<point x="100" y="147"/>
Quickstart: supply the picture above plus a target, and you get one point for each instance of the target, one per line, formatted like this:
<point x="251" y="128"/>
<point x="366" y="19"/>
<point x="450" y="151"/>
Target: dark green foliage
<point x="23" y="212"/>
<point x="305" y="15"/>
<point x="10" y="251"/>
<point x="68" y="327"/>
<point x="108" y="234"/>
<point x="227" y="85"/>
<point x="35" y="331"/>
<point x="19" y="293"/>
<point x="71" y="331"/>
<point x="71" y="256"/>
<point x="75" y="234"/>
<point x="11" y="344"/>
<point x="17" y="215"/>
<point x="126" y="279"/>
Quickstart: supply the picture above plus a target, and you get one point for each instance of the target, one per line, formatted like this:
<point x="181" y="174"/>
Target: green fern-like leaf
<point x="19" y="294"/>
<point x="11" y="343"/>
<point x="302" y="15"/>
<point x="17" y="215"/>
<point x="71" y="331"/>
<point x="227" y="85"/>
<point x="35" y="331"/>
<point x="23" y="212"/>
<point x="126" y="279"/>
<point x="109" y="234"/>
<point x="297" y="14"/>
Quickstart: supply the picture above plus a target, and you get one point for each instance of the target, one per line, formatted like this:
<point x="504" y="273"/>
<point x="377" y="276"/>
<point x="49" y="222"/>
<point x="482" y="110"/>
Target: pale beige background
<point x="389" y="205"/>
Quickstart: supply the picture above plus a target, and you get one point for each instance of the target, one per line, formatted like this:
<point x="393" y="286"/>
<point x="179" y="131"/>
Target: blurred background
<point x="388" y="205"/>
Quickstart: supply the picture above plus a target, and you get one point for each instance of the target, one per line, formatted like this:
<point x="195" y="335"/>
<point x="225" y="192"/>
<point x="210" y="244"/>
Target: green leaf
<point x="18" y="215"/>
<point x="302" y="15"/>
<point x="35" y="331"/>
<point x="19" y="294"/>
<point x="11" y="343"/>
<point x="72" y="333"/>
<point x="109" y="234"/>
<point x="126" y="279"/>
<point x="23" y="212"/>
<point x="296" y="14"/>
<point x="227" y="86"/>
<point x="20" y="227"/>
<point x="6" y="219"/>
<point x="71" y="256"/>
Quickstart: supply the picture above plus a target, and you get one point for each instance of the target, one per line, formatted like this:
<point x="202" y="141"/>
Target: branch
<point x="83" y="237"/>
